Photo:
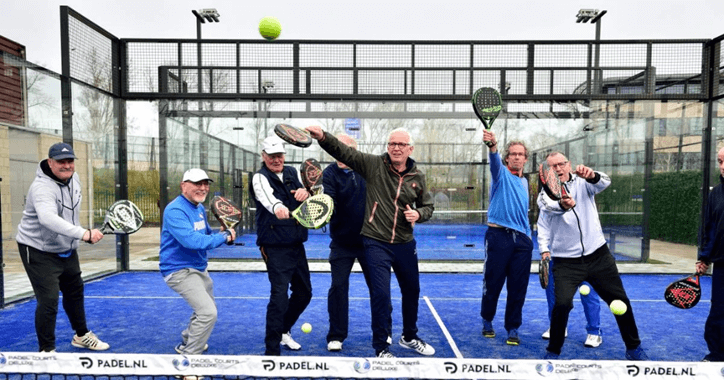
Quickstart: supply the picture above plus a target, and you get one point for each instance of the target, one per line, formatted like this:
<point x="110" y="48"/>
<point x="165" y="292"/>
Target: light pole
<point x="202" y="15"/>
<point x="594" y="15"/>
<point x="267" y="87"/>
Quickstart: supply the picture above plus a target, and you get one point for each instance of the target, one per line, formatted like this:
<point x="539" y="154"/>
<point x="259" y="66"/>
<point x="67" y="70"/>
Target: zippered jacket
<point x="577" y="231"/>
<point x="51" y="218"/>
<point x="388" y="192"/>
<point x="713" y="239"/>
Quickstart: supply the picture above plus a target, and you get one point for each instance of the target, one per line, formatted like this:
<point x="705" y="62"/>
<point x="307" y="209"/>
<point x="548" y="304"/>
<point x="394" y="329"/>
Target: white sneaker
<point x="89" y="341"/>
<point x="418" y="345"/>
<point x="547" y="334"/>
<point x="181" y="347"/>
<point x="334" y="345"/>
<point x="593" y="341"/>
<point x="290" y="343"/>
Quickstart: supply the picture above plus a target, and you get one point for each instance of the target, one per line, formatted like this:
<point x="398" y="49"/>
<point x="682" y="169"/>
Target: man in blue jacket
<point x="348" y="190"/>
<point x="186" y="238"/>
<point x="712" y="251"/>
<point x="508" y="244"/>
<point x="277" y="189"/>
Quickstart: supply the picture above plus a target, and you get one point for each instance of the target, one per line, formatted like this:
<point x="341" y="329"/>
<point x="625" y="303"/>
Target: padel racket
<point x="487" y="104"/>
<point x="226" y="212"/>
<point x="551" y="182"/>
<point x="684" y="293"/>
<point x="315" y="212"/>
<point x="293" y="135"/>
<point x="311" y="175"/>
<point x="123" y="217"/>
<point x="544" y="272"/>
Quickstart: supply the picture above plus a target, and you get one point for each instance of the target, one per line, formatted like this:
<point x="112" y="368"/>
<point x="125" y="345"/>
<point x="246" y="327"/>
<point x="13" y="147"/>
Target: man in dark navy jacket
<point x="712" y="251"/>
<point x="348" y="190"/>
<point x="277" y="189"/>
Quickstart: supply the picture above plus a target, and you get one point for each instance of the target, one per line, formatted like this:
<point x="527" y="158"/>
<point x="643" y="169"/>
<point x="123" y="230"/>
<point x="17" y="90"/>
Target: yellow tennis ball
<point x="584" y="289"/>
<point x="618" y="307"/>
<point x="306" y="328"/>
<point x="270" y="28"/>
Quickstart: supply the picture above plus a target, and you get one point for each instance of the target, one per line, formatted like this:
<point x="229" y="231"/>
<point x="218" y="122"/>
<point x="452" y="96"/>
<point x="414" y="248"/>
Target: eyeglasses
<point x="398" y="145"/>
<point x="559" y="165"/>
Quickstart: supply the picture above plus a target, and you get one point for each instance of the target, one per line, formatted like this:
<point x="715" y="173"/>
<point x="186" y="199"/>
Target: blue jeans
<point x="591" y="305"/>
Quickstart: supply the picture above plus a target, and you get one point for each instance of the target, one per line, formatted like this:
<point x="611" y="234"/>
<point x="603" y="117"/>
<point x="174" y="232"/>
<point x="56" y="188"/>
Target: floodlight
<point x="206" y="14"/>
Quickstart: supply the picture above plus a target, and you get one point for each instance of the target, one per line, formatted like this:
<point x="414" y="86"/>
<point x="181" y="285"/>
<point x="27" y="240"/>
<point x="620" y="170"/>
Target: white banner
<point x="336" y="367"/>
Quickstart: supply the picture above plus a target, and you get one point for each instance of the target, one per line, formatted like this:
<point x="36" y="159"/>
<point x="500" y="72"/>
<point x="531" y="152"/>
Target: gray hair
<point x="511" y="143"/>
<point x="409" y="136"/>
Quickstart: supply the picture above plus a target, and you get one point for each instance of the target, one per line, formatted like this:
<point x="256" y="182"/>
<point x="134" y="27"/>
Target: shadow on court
<point x="135" y="312"/>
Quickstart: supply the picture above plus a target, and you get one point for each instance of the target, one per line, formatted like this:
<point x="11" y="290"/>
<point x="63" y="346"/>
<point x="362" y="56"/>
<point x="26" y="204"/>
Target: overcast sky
<point x="36" y="23"/>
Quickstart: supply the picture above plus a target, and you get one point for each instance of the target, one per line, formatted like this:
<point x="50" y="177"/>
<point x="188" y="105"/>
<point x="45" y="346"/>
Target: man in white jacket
<point x="570" y="231"/>
<point x="48" y="237"/>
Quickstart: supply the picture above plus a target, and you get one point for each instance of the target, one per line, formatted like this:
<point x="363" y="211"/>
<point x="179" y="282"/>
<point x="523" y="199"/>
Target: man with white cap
<point x="277" y="189"/>
<point x="48" y="237"/>
<point x="186" y="238"/>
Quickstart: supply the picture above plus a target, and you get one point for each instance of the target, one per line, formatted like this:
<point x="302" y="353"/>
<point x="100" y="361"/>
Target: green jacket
<point x="388" y="192"/>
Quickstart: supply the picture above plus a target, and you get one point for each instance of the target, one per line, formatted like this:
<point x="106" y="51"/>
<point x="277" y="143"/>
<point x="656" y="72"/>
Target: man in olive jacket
<point x="396" y="199"/>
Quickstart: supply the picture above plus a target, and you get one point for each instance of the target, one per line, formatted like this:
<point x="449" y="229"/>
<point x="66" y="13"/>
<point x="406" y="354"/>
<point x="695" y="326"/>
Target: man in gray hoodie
<point x="47" y="238"/>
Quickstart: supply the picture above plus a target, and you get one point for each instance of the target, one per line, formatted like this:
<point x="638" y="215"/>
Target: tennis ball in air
<point x="618" y="307"/>
<point x="270" y="28"/>
<point x="306" y="328"/>
<point x="584" y="289"/>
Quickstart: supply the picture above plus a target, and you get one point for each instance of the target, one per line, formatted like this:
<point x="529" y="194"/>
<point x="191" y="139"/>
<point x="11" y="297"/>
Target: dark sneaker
<point x="488" y="331"/>
<point x="513" y="339"/>
<point x="551" y="356"/>
<point x="637" y="354"/>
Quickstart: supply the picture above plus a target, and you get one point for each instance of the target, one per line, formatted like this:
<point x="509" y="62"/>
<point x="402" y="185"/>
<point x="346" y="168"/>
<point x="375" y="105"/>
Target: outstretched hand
<point x="316" y="132"/>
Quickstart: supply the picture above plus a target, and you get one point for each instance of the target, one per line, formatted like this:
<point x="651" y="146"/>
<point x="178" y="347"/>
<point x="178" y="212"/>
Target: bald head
<point x="350" y="142"/>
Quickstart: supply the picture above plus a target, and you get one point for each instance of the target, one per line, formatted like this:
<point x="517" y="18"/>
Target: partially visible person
<point x="508" y="243"/>
<point x="571" y="231"/>
<point x="277" y="189"/>
<point x="397" y="198"/>
<point x="712" y="252"/>
<point x="348" y="190"/>
<point x="186" y="238"/>
<point x="48" y="238"/>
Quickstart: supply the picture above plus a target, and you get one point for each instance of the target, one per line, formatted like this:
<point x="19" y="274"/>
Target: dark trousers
<point x="341" y="260"/>
<point x="50" y="274"/>
<point x="714" y="328"/>
<point x="508" y="258"/>
<point x="402" y="258"/>
<point x="598" y="269"/>
<point x="287" y="269"/>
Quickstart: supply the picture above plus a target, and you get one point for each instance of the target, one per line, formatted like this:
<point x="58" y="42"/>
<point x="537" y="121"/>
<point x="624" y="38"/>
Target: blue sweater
<point x="509" y="199"/>
<point x="186" y="236"/>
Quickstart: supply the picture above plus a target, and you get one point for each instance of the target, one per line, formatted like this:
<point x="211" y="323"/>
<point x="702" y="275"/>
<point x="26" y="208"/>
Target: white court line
<point x="450" y="340"/>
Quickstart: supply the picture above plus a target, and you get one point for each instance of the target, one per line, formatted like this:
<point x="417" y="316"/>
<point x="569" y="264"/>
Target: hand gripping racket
<point x="311" y="175"/>
<point x="544" y="273"/>
<point x="123" y="217"/>
<point x="315" y="212"/>
<point x="487" y="104"/>
<point x="684" y="293"/>
<point x="293" y="135"/>
<point x="551" y="182"/>
<point x="226" y="212"/>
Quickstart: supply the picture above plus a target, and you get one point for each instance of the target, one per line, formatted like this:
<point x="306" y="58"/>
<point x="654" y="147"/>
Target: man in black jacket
<point x="277" y="189"/>
<point x="712" y="251"/>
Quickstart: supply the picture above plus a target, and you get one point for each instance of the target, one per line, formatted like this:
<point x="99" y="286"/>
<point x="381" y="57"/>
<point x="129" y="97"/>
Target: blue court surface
<point x="434" y="242"/>
<point x="135" y="312"/>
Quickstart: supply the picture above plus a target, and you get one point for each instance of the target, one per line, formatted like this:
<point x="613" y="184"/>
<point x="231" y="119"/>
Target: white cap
<point x="196" y="175"/>
<point x="273" y="144"/>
